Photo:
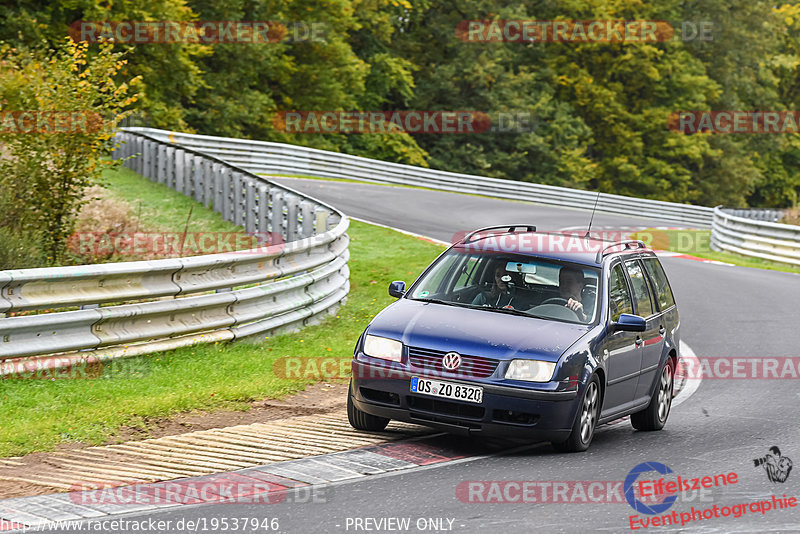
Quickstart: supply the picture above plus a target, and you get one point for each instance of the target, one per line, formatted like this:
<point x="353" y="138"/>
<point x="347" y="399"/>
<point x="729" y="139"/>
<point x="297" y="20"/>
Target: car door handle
<point x="638" y="341"/>
<point x="661" y="330"/>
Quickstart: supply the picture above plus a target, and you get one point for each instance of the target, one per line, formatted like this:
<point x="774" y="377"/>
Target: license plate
<point x="447" y="390"/>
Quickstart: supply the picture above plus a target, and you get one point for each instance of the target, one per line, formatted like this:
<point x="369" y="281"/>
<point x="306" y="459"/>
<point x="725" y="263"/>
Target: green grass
<point x="697" y="243"/>
<point x="163" y="208"/>
<point x="38" y="415"/>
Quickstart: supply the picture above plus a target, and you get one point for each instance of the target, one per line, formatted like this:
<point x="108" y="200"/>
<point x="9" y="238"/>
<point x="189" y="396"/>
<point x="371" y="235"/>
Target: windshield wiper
<point x="511" y="311"/>
<point x="437" y="301"/>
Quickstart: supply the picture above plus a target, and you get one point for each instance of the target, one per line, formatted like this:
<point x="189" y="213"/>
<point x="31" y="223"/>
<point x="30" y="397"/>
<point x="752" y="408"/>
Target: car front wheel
<point x="654" y="417"/>
<point x="585" y="420"/>
<point x="363" y="420"/>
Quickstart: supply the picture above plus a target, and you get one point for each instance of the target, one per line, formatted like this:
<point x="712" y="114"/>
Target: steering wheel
<point x="555" y="300"/>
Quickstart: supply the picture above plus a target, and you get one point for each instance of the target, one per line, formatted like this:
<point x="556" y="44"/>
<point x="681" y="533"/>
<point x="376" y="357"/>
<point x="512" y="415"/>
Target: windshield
<point x="512" y="284"/>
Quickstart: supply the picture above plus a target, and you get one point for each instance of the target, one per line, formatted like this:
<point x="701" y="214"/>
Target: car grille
<point x="443" y="407"/>
<point x="471" y="366"/>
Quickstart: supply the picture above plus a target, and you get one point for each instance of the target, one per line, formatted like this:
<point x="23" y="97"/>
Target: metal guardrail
<point x="772" y="241"/>
<point x="263" y="157"/>
<point x="187" y="300"/>
<point x="759" y="214"/>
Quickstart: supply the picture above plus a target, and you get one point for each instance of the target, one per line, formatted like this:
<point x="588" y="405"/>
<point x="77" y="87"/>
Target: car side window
<point x="618" y="293"/>
<point x="641" y="292"/>
<point x="659" y="278"/>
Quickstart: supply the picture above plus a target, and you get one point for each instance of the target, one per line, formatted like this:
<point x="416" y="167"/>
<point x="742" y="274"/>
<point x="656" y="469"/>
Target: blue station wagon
<point x="513" y="332"/>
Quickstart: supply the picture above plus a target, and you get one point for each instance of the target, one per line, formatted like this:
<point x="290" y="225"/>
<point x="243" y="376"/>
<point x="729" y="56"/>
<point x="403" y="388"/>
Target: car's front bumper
<point x="504" y="410"/>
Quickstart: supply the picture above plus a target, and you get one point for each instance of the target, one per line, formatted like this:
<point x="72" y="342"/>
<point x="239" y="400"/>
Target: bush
<point x="19" y="250"/>
<point x="57" y="119"/>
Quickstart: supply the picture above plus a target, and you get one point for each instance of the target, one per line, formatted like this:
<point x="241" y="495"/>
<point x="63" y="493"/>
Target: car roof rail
<point x="509" y="228"/>
<point x="602" y="252"/>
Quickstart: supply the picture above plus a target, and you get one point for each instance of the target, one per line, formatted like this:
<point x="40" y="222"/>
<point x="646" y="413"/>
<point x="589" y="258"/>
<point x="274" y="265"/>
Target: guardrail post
<point x="292" y="214"/>
<point x="145" y="158"/>
<point x="188" y="174"/>
<point x="162" y="164"/>
<point x="278" y="210"/>
<point x="307" y="218"/>
<point x="250" y="206"/>
<point x="320" y="220"/>
<point x="197" y="179"/>
<point x="117" y="149"/>
<point x="172" y="167"/>
<point x="132" y="163"/>
<point x="219" y="182"/>
<point x="153" y="172"/>
<point x="238" y="214"/>
<point x="208" y="180"/>
<point x="262" y="219"/>
<point x="179" y="169"/>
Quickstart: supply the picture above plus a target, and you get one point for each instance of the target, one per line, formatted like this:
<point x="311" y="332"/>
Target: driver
<point x="570" y="286"/>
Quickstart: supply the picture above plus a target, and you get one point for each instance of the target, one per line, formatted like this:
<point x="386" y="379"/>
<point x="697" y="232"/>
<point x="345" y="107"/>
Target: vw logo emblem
<point x="451" y="361"/>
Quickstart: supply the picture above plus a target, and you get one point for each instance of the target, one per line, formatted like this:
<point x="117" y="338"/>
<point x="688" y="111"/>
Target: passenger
<point x="500" y="295"/>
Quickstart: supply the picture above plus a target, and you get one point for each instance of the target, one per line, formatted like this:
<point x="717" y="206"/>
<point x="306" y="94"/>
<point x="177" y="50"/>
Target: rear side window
<point x="618" y="293"/>
<point x="663" y="292"/>
<point x="641" y="293"/>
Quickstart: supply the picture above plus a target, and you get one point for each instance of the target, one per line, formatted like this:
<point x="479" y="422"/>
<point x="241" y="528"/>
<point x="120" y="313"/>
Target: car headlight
<point x="383" y="348"/>
<point x="530" y="370"/>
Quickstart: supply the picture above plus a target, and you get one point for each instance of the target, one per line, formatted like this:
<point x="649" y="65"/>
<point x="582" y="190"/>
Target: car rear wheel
<point x="363" y="420"/>
<point x="585" y="420"/>
<point x="654" y="417"/>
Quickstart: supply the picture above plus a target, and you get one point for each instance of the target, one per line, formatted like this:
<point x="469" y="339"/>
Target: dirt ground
<point x="316" y="399"/>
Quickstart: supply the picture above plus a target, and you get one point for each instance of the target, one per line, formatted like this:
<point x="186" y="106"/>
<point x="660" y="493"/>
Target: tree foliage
<point x="600" y="109"/>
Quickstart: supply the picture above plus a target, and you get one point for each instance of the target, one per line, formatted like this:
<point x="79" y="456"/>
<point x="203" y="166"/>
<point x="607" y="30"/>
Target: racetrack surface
<point x="725" y="425"/>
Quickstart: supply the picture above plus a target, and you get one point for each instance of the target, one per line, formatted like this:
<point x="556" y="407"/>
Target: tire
<point x="654" y="417"/>
<point x="363" y="420"/>
<point x="585" y="420"/>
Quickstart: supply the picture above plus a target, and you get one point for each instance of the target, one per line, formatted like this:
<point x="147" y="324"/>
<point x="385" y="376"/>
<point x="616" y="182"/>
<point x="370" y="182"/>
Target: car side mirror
<point x="630" y="323"/>
<point x="397" y="289"/>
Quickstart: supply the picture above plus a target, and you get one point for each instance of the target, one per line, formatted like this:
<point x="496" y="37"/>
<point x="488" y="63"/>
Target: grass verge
<point x="698" y="243"/>
<point x="38" y="415"/>
<point x="163" y="209"/>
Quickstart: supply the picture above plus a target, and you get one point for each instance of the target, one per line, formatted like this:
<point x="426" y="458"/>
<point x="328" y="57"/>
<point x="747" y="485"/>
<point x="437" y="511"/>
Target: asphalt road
<point x="721" y="428"/>
<point x="440" y="215"/>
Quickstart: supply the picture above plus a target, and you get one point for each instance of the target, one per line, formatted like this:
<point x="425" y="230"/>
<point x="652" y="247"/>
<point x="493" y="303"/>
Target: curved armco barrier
<point x="276" y="158"/>
<point x="182" y="301"/>
<point x="731" y="232"/>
